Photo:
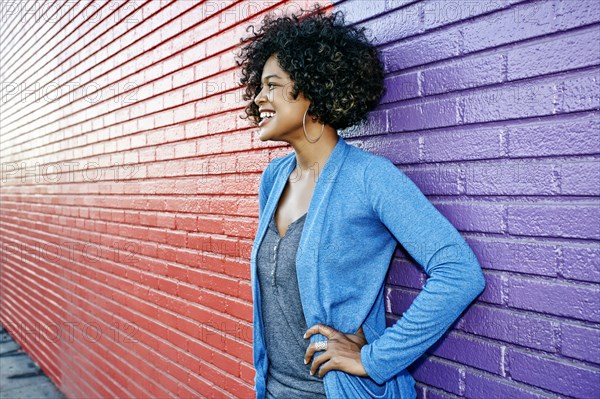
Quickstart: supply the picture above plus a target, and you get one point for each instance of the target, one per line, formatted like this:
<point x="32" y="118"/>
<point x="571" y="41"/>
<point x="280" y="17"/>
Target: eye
<point x="270" y="85"/>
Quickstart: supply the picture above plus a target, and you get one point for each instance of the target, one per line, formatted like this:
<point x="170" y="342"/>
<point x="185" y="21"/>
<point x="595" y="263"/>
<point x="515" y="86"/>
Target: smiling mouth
<point x="264" y="121"/>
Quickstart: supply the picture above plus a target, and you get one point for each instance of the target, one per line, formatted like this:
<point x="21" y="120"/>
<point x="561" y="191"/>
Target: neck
<point x="311" y="157"/>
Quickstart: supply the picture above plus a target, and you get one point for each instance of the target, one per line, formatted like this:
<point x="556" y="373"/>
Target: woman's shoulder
<point x="369" y="163"/>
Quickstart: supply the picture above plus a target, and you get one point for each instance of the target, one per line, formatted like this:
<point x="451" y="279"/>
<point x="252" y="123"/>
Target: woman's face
<point x="276" y="96"/>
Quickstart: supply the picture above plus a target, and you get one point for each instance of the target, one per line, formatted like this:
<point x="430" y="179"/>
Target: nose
<point x="260" y="97"/>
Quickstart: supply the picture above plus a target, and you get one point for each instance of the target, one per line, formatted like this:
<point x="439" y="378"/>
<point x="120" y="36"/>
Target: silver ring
<point x="321" y="345"/>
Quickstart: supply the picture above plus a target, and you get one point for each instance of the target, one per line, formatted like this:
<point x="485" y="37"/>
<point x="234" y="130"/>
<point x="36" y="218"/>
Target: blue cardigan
<point x="361" y="207"/>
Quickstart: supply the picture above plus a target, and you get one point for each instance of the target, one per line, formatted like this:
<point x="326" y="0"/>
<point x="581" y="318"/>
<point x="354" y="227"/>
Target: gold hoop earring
<point x="304" y="127"/>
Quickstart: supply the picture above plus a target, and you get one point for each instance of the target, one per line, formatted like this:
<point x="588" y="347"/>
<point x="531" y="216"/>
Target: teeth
<point x="266" y="115"/>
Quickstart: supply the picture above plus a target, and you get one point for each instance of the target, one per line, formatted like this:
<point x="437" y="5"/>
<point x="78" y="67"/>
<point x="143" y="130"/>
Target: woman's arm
<point x="455" y="276"/>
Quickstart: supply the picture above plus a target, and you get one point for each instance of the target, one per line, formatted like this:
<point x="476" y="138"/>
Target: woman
<point x="330" y="218"/>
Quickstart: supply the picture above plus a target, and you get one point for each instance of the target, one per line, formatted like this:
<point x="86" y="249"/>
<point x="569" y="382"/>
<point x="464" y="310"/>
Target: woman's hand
<point x="343" y="351"/>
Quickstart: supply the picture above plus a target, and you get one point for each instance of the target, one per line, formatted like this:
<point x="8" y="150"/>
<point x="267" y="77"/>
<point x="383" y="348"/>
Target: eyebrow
<point x="271" y="76"/>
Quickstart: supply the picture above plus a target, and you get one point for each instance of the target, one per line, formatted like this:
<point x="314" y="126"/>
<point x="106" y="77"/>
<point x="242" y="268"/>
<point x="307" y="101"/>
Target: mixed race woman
<point x="330" y="218"/>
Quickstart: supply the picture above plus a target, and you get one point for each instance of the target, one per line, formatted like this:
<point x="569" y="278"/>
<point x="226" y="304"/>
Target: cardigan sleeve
<point x="455" y="277"/>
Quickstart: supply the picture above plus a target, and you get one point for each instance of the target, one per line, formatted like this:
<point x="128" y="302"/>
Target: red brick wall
<point x="129" y="195"/>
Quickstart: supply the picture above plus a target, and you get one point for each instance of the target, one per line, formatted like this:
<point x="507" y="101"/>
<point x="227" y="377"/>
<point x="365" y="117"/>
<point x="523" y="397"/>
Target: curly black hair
<point x="335" y="66"/>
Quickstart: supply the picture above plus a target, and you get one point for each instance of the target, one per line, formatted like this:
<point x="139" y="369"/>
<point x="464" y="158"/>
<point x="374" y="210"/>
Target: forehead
<point x="272" y="67"/>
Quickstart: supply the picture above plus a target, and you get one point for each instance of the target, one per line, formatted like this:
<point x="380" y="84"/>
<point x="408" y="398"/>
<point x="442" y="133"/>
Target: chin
<point x="264" y="136"/>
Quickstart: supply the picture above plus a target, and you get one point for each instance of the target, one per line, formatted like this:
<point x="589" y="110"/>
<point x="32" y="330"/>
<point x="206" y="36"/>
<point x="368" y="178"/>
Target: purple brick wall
<point x="492" y="108"/>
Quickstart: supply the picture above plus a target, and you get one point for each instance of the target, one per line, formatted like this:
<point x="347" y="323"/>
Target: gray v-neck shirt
<point x="283" y="317"/>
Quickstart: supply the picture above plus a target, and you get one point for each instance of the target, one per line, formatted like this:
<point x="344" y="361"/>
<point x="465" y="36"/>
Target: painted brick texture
<point x="129" y="189"/>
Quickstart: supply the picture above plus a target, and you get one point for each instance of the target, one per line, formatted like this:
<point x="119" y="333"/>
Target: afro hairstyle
<point x="335" y="66"/>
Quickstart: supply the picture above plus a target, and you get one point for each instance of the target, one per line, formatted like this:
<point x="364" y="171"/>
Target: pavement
<point x="20" y="376"/>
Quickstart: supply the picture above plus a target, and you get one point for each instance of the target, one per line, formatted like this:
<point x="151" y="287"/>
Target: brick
<point x="164" y="152"/>
<point x="516" y="177"/>
<point x="580" y="178"/>
<point x="235" y="141"/>
<point x="247" y="373"/>
<point x="216" y="44"/>
<point x="394" y="25"/>
<point x="493" y="292"/>
<point x="554" y="374"/>
<point x="510" y="326"/>
<point x="570" y="15"/>
<point x="209" y="145"/>
<point x="548" y="56"/>
<point x="186" y="222"/>
<point x="479" y="385"/>
<point x="556" y="298"/>
<point x="463" y="144"/>
<point x="196" y="128"/>
<point x="554" y="221"/>
<point x="565" y="136"/>
<point x="510" y="101"/>
<point x="484" y="217"/>
<point x="213" y="282"/>
<point x="424" y="115"/>
<point x="239" y="349"/>
<point x="182" y="78"/>
<point x="398" y="149"/>
<point x="164" y="118"/>
<point x="172" y="98"/>
<point x="438" y="13"/>
<point x="207" y="106"/>
<point x="466" y="350"/>
<point x="431" y="394"/>
<point x="355" y="10"/>
<point x="441" y="179"/>
<point x="401" y="87"/>
<point x="183" y="113"/>
<point x="580" y="92"/>
<point x="405" y="274"/>
<point x="439" y="374"/>
<point x="222" y="123"/>
<point x="580" y="342"/>
<point x="398" y="300"/>
<point x="422" y="49"/>
<point x="200" y="384"/>
<point x="520" y="22"/>
<point x="193" y="55"/>
<point x="580" y="263"/>
<point x="463" y="73"/>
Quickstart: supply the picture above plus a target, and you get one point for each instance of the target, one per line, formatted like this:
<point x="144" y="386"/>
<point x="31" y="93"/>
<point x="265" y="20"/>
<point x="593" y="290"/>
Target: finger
<point x="320" y="329"/>
<point x="330" y="365"/>
<point x="312" y="330"/>
<point x="318" y="360"/>
<point x="310" y="351"/>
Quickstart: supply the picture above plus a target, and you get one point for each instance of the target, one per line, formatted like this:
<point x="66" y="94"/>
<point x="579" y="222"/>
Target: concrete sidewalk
<point x="20" y="377"/>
